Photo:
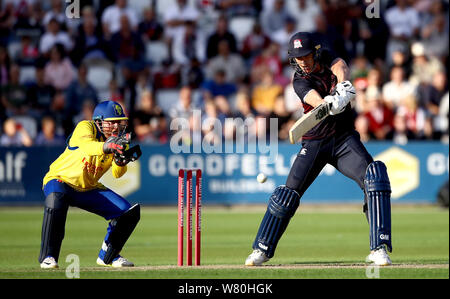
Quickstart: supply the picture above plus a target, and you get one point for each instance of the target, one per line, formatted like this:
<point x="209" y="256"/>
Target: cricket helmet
<point x="302" y="44"/>
<point x="109" y="111"/>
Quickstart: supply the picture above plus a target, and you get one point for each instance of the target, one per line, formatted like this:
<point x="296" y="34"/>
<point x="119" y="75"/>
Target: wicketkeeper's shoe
<point x="379" y="257"/>
<point x="118" y="262"/>
<point x="256" y="258"/>
<point x="49" y="263"/>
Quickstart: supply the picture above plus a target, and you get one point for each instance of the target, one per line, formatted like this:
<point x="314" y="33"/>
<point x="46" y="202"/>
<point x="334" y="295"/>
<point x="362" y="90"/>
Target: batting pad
<point x="282" y="206"/>
<point x="378" y="191"/>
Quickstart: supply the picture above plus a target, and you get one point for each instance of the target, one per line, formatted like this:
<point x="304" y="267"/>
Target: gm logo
<point x="384" y="237"/>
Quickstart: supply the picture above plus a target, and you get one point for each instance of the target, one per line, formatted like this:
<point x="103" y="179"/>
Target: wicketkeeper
<point x="93" y="148"/>
<point x="320" y="76"/>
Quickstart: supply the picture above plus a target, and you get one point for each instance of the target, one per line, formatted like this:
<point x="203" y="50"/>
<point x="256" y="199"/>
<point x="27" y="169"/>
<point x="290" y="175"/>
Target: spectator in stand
<point x="126" y="43"/>
<point x="175" y="18"/>
<point x="54" y="36"/>
<point x="431" y="11"/>
<point x="306" y="12"/>
<point x="379" y="116"/>
<point x="182" y="112"/>
<point x="88" y="43"/>
<point x="39" y="93"/>
<point x="188" y="45"/>
<point x="218" y="86"/>
<point x="56" y="12"/>
<point x="87" y="110"/>
<point x="14" y="94"/>
<point x="443" y="117"/>
<point x="362" y="127"/>
<point x="280" y="112"/>
<point x="401" y="59"/>
<point x="359" y="68"/>
<point x="274" y="18"/>
<point x="221" y="33"/>
<point x="244" y="105"/>
<point x="430" y="97"/>
<point x="244" y="112"/>
<point x="424" y="67"/>
<point x="14" y="134"/>
<point x="232" y="63"/>
<point x="401" y="133"/>
<point x="59" y="111"/>
<point x="328" y="37"/>
<point x="6" y="22"/>
<point x="373" y="32"/>
<point x="254" y="43"/>
<point x="59" y="71"/>
<point x="150" y="28"/>
<point x="28" y="54"/>
<point x="397" y="88"/>
<point x="5" y="66"/>
<point x="79" y="91"/>
<point x="150" y="123"/>
<point x="403" y="22"/>
<point x="265" y="94"/>
<point x="212" y="124"/>
<point x="193" y="75"/>
<point x="268" y="59"/>
<point x="416" y="118"/>
<point x="435" y="38"/>
<point x="168" y="76"/>
<point x="239" y="7"/>
<point x="292" y="102"/>
<point x="29" y="19"/>
<point x="112" y="18"/>
<point x="283" y="35"/>
<point x="48" y="135"/>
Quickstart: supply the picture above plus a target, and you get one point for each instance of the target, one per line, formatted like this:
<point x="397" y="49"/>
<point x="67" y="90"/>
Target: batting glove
<point x="337" y="104"/>
<point x="346" y="89"/>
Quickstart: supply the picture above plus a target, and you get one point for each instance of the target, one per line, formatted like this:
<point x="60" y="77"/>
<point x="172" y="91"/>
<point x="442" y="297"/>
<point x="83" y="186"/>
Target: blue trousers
<point x="105" y="203"/>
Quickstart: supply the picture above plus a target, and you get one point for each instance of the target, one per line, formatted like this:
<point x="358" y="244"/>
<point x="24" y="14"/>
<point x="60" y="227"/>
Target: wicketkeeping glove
<point x="115" y="144"/>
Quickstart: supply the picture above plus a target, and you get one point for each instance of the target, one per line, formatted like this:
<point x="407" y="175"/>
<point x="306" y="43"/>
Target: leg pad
<point x="378" y="193"/>
<point x="121" y="229"/>
<point x="282" y="206"/>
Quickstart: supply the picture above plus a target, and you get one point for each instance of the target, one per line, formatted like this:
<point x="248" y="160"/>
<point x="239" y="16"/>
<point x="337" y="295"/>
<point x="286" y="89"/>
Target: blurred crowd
<point x="163" y="59"/>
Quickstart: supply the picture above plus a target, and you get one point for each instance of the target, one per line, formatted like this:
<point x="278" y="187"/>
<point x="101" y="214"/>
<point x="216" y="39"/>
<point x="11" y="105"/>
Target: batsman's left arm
<point x="340" y="69"/>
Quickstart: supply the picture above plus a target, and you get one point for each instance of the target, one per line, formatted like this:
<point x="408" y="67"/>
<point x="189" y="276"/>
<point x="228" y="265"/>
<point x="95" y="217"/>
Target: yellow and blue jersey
<point x="83" y="162"/>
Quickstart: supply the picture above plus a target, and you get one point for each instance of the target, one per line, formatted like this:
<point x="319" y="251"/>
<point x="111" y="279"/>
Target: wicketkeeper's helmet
<point x="109" y="111"/>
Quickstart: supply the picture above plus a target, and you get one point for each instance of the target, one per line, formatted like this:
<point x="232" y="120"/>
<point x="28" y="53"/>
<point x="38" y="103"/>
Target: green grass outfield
<point x="320" y="242"/>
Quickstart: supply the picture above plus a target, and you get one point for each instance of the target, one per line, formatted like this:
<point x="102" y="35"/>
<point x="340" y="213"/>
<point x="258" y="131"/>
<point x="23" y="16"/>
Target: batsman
<point x="93" y="148"/>
<point x="320" y="76"/>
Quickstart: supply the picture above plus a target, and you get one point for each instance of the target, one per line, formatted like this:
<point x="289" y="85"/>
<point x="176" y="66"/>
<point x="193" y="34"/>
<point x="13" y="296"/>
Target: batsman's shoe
<point x="49" y="263"/>
<point x="379" y="257"/>
<point x="256" y="258"/>
<point x="118" y="262"/>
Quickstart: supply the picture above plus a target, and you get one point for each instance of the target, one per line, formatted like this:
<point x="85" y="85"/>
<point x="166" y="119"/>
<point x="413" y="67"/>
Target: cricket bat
<point x="308" y="121"/>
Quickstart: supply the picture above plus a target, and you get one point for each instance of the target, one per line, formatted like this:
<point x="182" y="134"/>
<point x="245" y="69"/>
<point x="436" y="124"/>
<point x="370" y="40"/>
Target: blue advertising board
<point x="416" y="170"/>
